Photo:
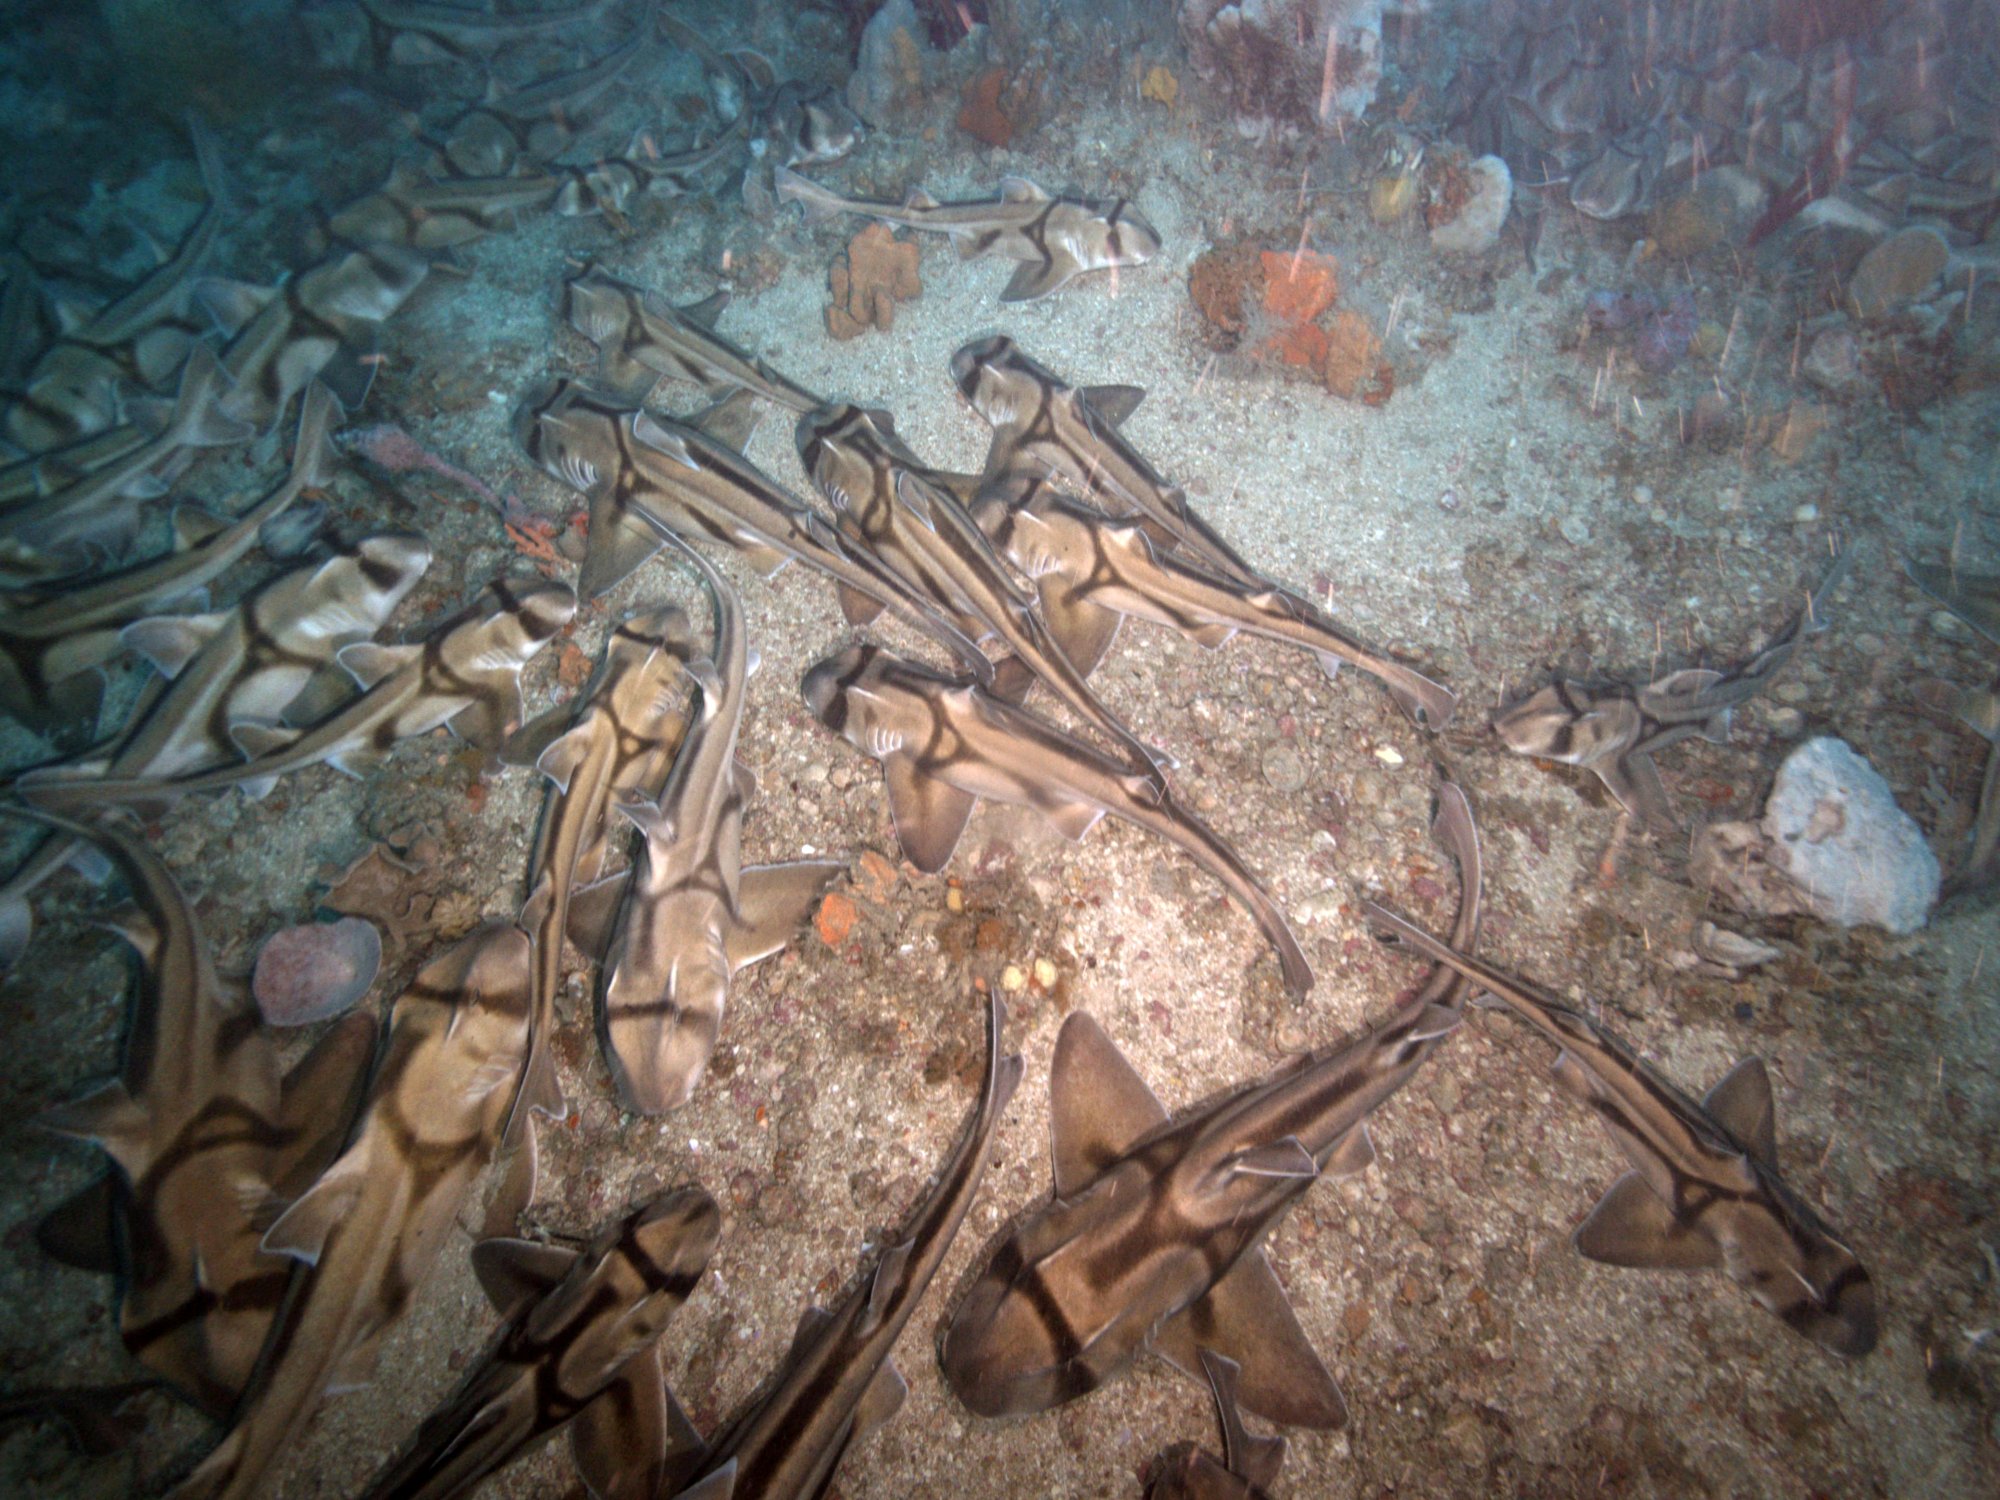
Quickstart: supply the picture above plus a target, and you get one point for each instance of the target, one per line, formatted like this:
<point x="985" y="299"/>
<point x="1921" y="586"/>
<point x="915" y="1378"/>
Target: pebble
<point x="1785" y="721"/>
<point x="1284" y="769"/>
<point x="1575" y="530"/>
<point x="1642" y="494"/>
<point x="1013" y="979"/>
<point x="1901" y="267"/>
<point x="1805" y="513"/>
<point x="1791" y="691"/>
<point x="1946" y="624"/>
<point x="1869" y="644"/>
<point x="814" y="775"/>
<point x="1389" y="755"/>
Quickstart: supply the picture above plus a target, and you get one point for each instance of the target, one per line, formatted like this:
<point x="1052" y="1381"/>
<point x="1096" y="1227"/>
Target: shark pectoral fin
<point x="1635" y="781"/>
<point x="1214" y="636"/>
<point x="1021" y="190"/>
<point x="593" y="911"/>
<point x="1098" y="1105"/>
<point x="255" y="739"/>
<point x="514" y="1273"/>
<point x="742" y="780"/>
<point x="703" y="314"/>
<point x="1353" y="1153"/>
<point x="721" y="1485"/>
<point x="325" y="692"/>
<point x="1084" y="630"/>
<point x="169" y="642"/>
<point x="811" y="1323"/>
<point x="17" y="926"/>
<point x="856" y="607"/>
<point x="527" y="745"/>
<point x="1741" y="1104"/>
<point x="1114" y="403"/>
<point x="618" y="545"/>
<point x="1247" y="1317"/>
<point x="80" y="1230"/>
<point x="930" y="815"/>
<point x="301" y="1230"/>
<point x="1034" y="278"/>
<point x="775" y="901"/>
<point x="1074" y="819"/>
<point x="621" y="1440"/>
<point x="882" y="1400"/>
<point x="356" y="1366"/>
<point x="368" y="662"/>
<point x="488" y="719"/>
<point x="1633" y="1226"/>
<point x="231" y="304"/>
<point x="1286" y="1158"/>
<point x="108" y="1117"/>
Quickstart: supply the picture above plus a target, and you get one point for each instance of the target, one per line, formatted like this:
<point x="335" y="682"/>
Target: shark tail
<point x="819" y="203"/>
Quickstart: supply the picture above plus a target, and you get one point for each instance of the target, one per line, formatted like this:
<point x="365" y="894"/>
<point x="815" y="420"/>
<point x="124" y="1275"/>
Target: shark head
<point x="1567" y="722"/>
<point x="997" y="380"/>
<point x="568" y="433"/>
<point x="827" y="687"/>
<point x="595" y="305"/>
<point x="390" y="562"/>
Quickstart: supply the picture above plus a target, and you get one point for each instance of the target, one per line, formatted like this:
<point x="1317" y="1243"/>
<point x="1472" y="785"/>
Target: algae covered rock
<point x="1901" y="267"/>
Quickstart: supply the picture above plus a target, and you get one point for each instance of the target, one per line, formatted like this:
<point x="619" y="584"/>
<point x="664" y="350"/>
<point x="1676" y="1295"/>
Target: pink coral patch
<point x="315" y="971"/>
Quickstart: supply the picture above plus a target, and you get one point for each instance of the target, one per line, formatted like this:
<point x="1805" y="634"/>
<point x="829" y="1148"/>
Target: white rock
<point x="1477" y="227"/>
<point x="1837" y="834"/>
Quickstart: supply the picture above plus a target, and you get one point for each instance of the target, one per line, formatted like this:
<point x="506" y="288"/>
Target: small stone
<point x="813" y="775"/>
<point x="1805" y="514"/>
<point x="1476" y="229"/>
<point x="836" y="919"/>
<point x="1833" y="362"/>
<point x="1839" y="837"/>
<point x="1946" y="624"/>
<point x="1642" y="494"/>
<point x="1013" y="979"/>
<point x="1575" y="530"/>
<point x="1869" y="644"/>
<point x="1389" y="755"/>
<point x="1284" y="769"/>
<point x="954" y="899"/>
<point x="1044" y="974"/>
<point x="1785" y="721"/>
<point x="1791" y="691"/>
<point x="1901" y="267"/>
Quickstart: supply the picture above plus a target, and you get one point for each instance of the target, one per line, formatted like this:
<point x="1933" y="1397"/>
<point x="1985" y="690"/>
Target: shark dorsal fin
<point x="916" y="197"/>
<point x="890" y="1271"/>
<point x="652" y="436"/>
<point x="1247" y="1317"/>
<point x="930" y="815"/>
<point x="882" y="1400"/>
<point x="514" y="1273"/>
<point x="1633" y="1226"/>
<point x="302" y="1230"/>
<point x="1741" y="1104"/>
<point x="812" y="1322"/>
<point x="1114" y="403"/>
<point x="703" y="314"/>
<point x="369" y="662"/>
<point x="731" y="421"/>
<point x="1354" y="1152"/>
<point x="170" y="642"/>
<point x="1098" y="1105"/>
<point x="1020" y="190"/>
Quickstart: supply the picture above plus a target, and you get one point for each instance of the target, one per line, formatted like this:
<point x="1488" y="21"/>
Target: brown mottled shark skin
<point x="649" y="478"/>
<point x="234" y="667"/>
<point x="621" y="742"/>
<point x="368" y="1230"/>
<point x="200" y="1137"/>
<point x="1614" y="728"/>
<point x="1704" y="1191"/>
<point x="1045" y="429"/>
<point x="466" y="673"/>
<point x="883" y="498"/>
<point x="1055" y="239"/>
<point x="52" y="645"/>
<point x="1153" y="1238"/>
<point x="580" y="1347"/>
<point x="692" y="916"/>
<point x="1249" y="1463"/>
<point x="838" y="1384"/>
<point x="944" y="743"/>
<point x="643" y="339"/>
<point x="1092" y="572"/>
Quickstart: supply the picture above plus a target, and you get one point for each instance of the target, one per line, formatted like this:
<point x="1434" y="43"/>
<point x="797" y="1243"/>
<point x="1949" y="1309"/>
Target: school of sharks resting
<point x="267" y="1228"/>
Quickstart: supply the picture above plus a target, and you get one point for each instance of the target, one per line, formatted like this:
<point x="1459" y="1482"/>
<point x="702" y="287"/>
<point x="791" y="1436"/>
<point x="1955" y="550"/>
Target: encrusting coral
<point x="875" y="273"/>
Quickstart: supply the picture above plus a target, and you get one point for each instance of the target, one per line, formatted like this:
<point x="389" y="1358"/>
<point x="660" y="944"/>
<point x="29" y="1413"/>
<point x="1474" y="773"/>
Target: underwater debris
<point x="315" y="971"/>
<point x="876" y="271"/>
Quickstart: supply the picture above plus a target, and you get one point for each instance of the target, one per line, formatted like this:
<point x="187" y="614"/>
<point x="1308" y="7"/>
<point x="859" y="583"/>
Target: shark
<point x="649" y="477"/>
<point x="280" y="337"/>
<point x="880" y="493"/>
<point x="612" y="184"/>
<point x="945" y="743"/>
<point x="1975" y="598"/>
<point x="1153" y="1239"/>
<point x="98" y="510"/>
<point x="692" y="916"/>
<point x="1614" y="728"/>
<point x="579" y="1348"/>
<point x="1055" y="239"/>
<point x="234" y="667"/>
<point x="621" y="741"/>
<point x="641" y="339"/>
<point x="1249" y="1464"/>
<point x="414" y="210"/>
<point x="1091" y="572"/>
<point x="51" y="649"/>
<point x="533" y="123"/>
<point x="408" y="33"/>
<point x="838" y="1382"/>
<point x="466" y="673"/>
<point x="1704" y="1190"/>
<point x="196" y="1128"/>
<point x="1045" y="429"/>
<point x="366" y="1233"/>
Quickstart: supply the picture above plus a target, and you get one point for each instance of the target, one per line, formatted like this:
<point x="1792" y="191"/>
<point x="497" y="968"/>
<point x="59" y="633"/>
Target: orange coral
<point x="1221" y="280"/>
<point x="1354" y="365"/>
<point x="876" y="273"/>
<point x="980" y="115"/>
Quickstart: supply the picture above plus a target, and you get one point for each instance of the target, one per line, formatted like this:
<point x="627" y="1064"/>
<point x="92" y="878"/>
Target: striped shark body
<point x="649" y="477"/>
<point x="407" y="33"/>
<point x="535" y="122"/>
<point x="944" y="743"/>
<point x="613" y="185"/>
<point x="883" y="498"/>
<point x="416" y="211"/>
<point x="1047" y="430"/>
<point x="1055" y="239"/>
<point x="1153" y="1238"/>
<point x="1614" y="729"/>
<point x="692" y="916"/>
<point x="838" y="1383"/>
<point x="366" y="1233"/>
<point x="643" y="339"/>
<point x="621" y="743"/>
<point x="1249" y="1464"/>
<point x="200" y="1136"/>
<point x="52" y="647"/>
<point x="579" y="1348"/>
<point x="466" y="673"/>
<point x="1704" y="1192"/>
<point x="1092" y="571"/>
